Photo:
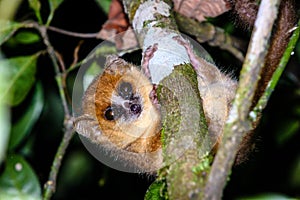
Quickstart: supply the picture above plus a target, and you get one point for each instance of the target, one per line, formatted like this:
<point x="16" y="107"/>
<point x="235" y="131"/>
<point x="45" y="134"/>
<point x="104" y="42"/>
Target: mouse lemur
<point x="119" y="115"/>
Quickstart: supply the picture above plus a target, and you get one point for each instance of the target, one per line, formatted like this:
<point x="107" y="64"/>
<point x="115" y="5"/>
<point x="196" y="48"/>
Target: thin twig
<point x="55" y="61"/>
<point x="50" y="185"/>
<point x="73" y="34"/>
<point x="101" y="51"/>
<point x="60" y="61"/>
<point x="274" y="80"/>
<point x="238" y="124"/>
<point x="75" y="53"/>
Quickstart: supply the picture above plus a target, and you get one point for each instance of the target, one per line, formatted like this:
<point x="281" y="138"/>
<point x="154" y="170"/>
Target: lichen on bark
<point x="185" y="136"/>
<point x="186" y="144"/>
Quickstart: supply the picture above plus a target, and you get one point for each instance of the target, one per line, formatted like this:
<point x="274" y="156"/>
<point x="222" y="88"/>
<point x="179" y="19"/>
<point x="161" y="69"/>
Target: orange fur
<point x="140" y="135"/>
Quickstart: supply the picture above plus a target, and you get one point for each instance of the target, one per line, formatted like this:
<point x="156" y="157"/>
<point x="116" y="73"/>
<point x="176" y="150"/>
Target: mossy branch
<point x="185" y="152"/>
<point x="184" y="124"/>
<point x="241" y="116"/>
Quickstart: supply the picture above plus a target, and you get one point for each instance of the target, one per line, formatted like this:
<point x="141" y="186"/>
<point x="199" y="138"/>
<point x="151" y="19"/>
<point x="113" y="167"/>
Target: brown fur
<point x="285" y="22"/>
<point x="141" y="135"/>
<point x="137" y="142"/>
<point x="246" y="11"/>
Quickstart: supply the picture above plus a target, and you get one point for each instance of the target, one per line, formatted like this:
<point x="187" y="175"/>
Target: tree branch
<point x="50" y="185"/>
<point x="166" y="61"/>
<point x="73" y="34"/>
<point x="275" y="78"/>
<point x="238" y="123"/>
<point x="214" y="36"/>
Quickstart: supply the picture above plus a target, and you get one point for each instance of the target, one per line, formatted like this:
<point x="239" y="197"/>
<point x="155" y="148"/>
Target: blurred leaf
<point x="4" y="129"/>
<point x="21" y="78"/>
<point x="102" y="181"/>
<point x="28" y="149"/>
<point x="104" y="5"/>
<point x="26" y="37"/>
<point x="36" y="6"/>
<point x="18" y="180"/>
<point x="76" y="168"/>
<point x="266" y="197"/>
<point x="90" y="74"/>
<point x="4" y="114"/>
<point x="23" y="126"/>
<point x="295" y="174"/>
<point x="9" y="8"/>
<point x="22" y="38"/>
<point x="75" y="172"/>
<point x="157" y="191"/>
<point x="7" y="29"/>
<point x="287" y="130"/>
<point x="53" y="4"/>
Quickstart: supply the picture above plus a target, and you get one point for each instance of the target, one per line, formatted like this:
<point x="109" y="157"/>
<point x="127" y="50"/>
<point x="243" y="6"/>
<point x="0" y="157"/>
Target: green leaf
<point x="4" y="115"/>
<point x="9" y="8"/>
<point x="36" y="6"/>
<point x="104" y="5"/>
<point x="4" y="130"/>
<point x="157" y="191"/>
<point x="7" y="29"/>
<point x="287" y="130"/>
<point x="19" y="181"/>
<point x="27" y="37"/>
<point x="90" y="74"/>
<point x="77" y="166"/>
<point x="53" y="4"/>
<point x="23" y="126"/>
<point x="294" y="175"/>
<point x="21" y="78"/>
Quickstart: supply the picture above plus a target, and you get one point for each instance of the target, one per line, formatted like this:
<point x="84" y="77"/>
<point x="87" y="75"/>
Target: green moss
<point x="203" y="166"/>
<point x="157" y="190"/>
<point x="172" y="97"/>
<point x="134" y="5"/>
<point x="147" y="22"/>
<point x="180" y="101"/>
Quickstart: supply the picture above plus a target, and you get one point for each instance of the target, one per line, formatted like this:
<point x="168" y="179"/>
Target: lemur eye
<point x="109" y="114"/>
<point x="135" y="108"/>
<point x="125" y="90"/>
<point x="114" y="112"/>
